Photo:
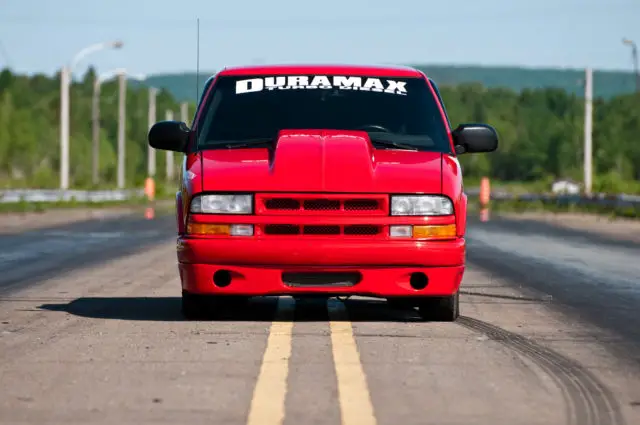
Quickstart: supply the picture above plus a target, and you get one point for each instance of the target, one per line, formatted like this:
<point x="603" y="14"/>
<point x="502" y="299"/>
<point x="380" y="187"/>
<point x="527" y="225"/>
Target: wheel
<point x="194" y="307"/>
<point x="440" y="309"/>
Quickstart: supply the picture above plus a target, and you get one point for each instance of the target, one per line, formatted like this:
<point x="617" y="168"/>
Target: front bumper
<point x="256" y="266"/>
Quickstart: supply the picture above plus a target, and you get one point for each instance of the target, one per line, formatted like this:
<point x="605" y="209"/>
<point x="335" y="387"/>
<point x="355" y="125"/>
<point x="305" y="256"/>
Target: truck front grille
<point x="325" y="230"/>
<point x="278" y="204"/>
<point x="323" y="212"/>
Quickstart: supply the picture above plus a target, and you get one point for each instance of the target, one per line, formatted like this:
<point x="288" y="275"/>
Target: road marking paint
<point x="268" y="402"/>
<point x="353" y="394"/>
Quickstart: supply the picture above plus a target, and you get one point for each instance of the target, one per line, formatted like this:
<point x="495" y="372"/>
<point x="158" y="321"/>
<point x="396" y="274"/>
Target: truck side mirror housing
<point x="169" y="136"/>
<point x="475" y="138"/>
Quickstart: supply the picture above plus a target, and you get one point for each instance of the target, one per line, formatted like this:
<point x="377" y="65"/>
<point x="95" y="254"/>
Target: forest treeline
<point x="541" y="133"/>
<point x="30" y="131"/>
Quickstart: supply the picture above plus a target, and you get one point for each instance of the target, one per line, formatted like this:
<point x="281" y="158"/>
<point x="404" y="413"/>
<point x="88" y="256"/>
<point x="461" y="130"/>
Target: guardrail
<point x="53" y="195"/>
<point x="601" y="199"/>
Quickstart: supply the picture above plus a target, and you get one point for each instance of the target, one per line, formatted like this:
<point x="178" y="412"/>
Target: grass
<point x="40" y="207"/>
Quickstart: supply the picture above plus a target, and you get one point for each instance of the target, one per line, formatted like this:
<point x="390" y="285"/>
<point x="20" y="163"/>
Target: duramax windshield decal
<point x="289" y="82"/>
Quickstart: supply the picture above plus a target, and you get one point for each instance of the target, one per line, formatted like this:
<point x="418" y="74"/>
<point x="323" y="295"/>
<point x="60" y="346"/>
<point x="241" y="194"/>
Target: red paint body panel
<point x="318" y="163"/>
<point x="452" y="186"/>
<point x="310" y="69"/>
<point x="320" y="252"/>
<point x="376" y="281"/>
<point x="322" y="161"/>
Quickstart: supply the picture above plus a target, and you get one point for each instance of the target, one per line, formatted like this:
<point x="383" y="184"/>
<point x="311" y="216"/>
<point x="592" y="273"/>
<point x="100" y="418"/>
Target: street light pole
<point x="95" y="168"/>
<point x="634" y="57"/>
<point x="65" y="82"/>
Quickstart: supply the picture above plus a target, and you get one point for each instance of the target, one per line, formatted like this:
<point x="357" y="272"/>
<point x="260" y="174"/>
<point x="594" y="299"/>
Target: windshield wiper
<point x="242" y="143"/>
<point x="268" y="142"/>
<point x="392" y="144"/>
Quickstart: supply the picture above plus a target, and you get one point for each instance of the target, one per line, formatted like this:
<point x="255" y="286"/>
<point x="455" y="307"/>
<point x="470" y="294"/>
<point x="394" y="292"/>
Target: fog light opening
<point x="222" y="278"/>
<point x="418" y="280"/>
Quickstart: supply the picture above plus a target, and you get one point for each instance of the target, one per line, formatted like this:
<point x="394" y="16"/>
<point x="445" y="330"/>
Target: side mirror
<point x="475" y="138"/>
<point x="169" y="136"/>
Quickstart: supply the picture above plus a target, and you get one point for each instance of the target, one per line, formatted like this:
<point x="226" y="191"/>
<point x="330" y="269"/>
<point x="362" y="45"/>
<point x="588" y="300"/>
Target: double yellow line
<point x="269" y="396"/>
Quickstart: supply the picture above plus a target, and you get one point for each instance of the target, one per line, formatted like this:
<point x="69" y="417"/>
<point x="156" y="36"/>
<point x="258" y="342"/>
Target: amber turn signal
<point x="219" y="229"/>
<point x="443" y="231"/>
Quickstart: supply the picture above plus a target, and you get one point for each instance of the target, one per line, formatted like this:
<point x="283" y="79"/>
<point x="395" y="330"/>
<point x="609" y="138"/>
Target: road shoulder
<point x="617" y="228"/>
<point x="14" y="223"/>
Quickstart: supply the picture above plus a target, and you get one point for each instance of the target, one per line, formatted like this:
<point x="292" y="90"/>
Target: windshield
<point x="253" y="108"/>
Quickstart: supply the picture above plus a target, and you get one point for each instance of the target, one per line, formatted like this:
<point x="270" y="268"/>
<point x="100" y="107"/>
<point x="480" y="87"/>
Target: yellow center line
<point x="353" y="394"/>
<point x="268" y="402"/>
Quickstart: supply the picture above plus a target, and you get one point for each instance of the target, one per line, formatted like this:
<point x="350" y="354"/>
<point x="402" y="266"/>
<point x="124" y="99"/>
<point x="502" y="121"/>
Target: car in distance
<point x="328" y="180"/>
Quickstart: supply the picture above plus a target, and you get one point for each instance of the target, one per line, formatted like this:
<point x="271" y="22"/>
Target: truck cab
<point x="322" y="180"/>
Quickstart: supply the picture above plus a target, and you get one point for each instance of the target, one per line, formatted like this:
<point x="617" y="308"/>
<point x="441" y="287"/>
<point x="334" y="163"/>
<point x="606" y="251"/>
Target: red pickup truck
<point x="322" y="180"/>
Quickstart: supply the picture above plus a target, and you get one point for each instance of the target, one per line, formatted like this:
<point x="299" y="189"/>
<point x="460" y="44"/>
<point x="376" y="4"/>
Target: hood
<point x="322" y="161"/>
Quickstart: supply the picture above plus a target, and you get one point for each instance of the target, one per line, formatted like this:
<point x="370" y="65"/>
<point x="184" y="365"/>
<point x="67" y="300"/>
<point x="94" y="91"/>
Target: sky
<point x="39" y="36"/>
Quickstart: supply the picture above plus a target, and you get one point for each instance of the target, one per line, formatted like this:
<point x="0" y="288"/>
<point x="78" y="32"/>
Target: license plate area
<point x="321" y="279"/>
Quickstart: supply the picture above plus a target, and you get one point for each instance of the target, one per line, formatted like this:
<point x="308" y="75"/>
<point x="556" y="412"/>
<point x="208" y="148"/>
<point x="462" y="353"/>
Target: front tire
<point x="440" y="309"/>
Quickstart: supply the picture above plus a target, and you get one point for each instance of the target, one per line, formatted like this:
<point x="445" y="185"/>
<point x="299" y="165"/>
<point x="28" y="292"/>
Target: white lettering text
<point x="247" y="86"/>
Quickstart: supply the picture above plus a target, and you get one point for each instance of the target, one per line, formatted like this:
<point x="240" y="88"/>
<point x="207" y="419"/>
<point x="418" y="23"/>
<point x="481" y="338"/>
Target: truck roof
<point x="324" y="69"/>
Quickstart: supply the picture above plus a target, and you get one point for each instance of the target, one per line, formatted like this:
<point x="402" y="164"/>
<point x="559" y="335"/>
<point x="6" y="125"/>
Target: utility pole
<point x="588" y="124"/>
<point x="634" y="58"/>
<point x="95" y="168"/>
<point x="151" y="153"/>
<point x="64" y="127"/>
<point x="634" y="53"/>
<point x="122" y="84"/>
<point x="184" y="112"/>
<point x="169" y="164"/>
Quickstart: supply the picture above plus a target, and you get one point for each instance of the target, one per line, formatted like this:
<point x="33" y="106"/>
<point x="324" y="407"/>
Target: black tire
<point x="195" y="307"/>
<point x="440" y="309"/>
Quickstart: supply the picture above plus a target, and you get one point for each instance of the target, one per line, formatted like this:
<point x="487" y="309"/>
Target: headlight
<point x="421" y="205"/>
<point x="222" y="204"/>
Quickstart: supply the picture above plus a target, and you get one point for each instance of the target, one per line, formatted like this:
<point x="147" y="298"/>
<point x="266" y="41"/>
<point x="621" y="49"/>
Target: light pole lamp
<point x="634" y="56"/>
<point x="65" y="81"/>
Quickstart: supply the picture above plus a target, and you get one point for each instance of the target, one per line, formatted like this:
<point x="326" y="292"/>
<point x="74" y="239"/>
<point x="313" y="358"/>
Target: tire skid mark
<point x="574" y="408"/>
<point x="588" y="401"/>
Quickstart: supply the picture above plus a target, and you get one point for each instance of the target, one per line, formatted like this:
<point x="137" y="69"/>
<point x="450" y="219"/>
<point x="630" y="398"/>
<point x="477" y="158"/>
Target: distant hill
<point x="606" y="83"/>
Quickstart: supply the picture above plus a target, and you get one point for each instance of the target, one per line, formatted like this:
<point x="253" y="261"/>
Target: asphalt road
<point x="90" y="332"/>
